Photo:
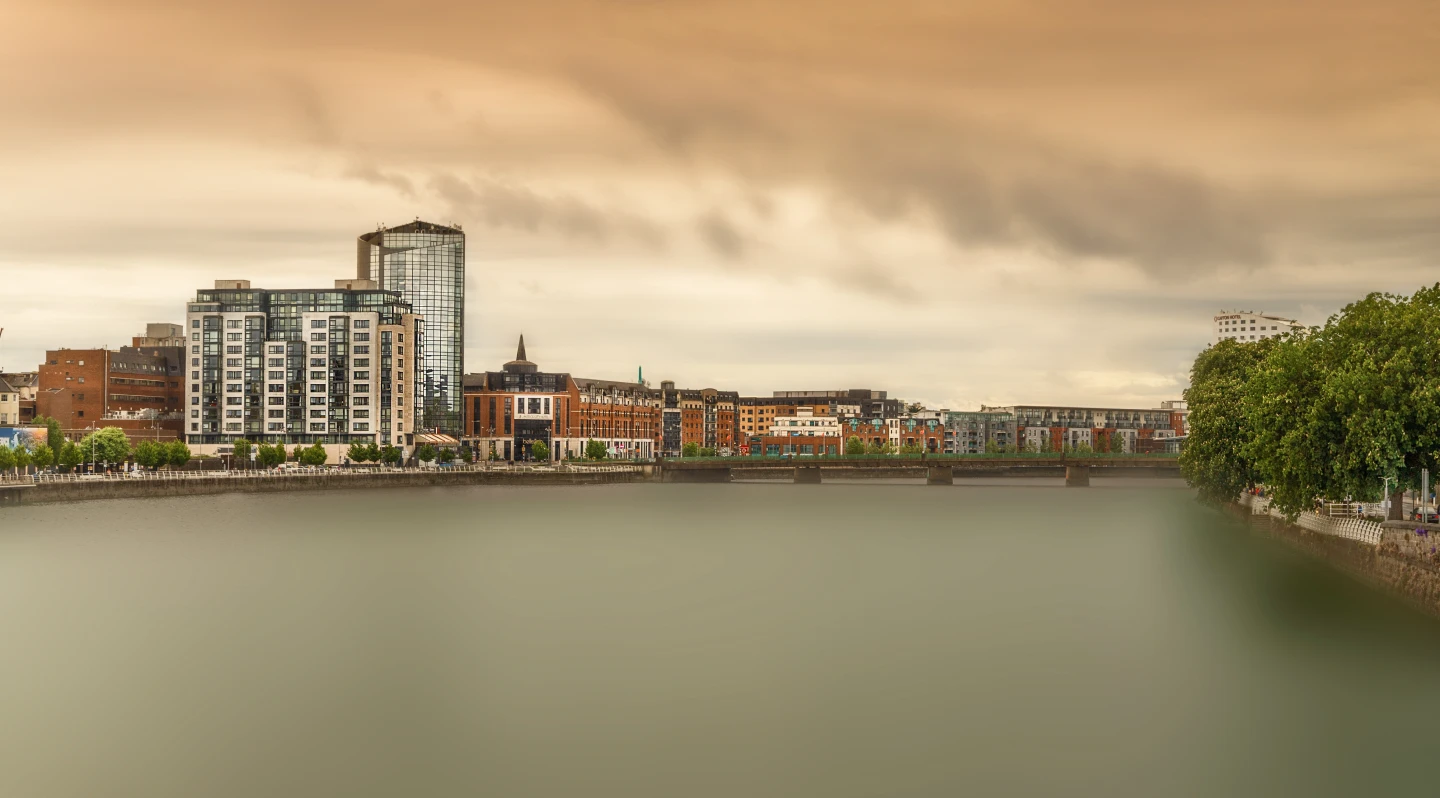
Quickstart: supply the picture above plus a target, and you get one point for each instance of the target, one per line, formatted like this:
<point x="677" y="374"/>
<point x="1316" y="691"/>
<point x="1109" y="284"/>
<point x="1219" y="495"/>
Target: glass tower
<point x="425" y="264"/>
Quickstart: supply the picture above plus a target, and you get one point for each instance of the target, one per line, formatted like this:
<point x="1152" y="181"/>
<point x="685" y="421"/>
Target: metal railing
<point x="309" y="472"/>
<point x="1350" y="528"/>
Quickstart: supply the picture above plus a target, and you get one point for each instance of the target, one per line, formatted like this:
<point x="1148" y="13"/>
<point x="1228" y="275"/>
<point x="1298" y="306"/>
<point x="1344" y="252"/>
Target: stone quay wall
<point x="1403" y="562"/>
<point x="83" y="490"/>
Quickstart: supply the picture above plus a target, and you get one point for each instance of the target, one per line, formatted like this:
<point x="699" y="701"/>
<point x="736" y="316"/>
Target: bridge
<point x="935" y="469"/>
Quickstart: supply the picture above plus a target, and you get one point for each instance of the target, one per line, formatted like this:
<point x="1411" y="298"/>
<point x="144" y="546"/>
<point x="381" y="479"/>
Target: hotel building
<point x="1245" y="325"/>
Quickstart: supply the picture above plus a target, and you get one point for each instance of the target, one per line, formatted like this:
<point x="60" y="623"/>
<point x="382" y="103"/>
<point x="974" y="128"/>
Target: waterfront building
<point x="331" y="366"/>
<point x="1246" y="325"/>
<point x="1054" y="428"/>
<point x="26" y="385"/>
<point x="806" y="423"/>
<point x="978" y="432"/>
<point x="137" y="388"/>
<point x="705" y="417"/>
<point x="9" y="404"/>
<point x="424" y="264"/>
<point x="873" y="432"/>
<point x="510" y="410"/>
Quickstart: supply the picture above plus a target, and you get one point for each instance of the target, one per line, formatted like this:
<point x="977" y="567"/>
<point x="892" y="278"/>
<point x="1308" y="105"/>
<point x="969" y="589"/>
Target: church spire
<point x="520" y="353"/>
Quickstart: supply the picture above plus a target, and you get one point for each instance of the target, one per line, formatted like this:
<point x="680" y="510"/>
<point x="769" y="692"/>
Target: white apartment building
<point x="806" y="423"/>
<point x="1245" y="325"/>
<point x="329" y="366"/>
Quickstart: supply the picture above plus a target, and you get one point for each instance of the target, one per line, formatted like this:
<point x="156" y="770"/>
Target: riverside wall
<point x="1403" y="563"/>
<point x="50" y="492"/>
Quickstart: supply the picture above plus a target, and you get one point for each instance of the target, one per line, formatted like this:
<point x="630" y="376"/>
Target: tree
<point x="23" y="457"/>
<point x="538" y="450"/>
<point x="54" y="437"/>
<point x="44" y="456"/>
<point x="105" y="445"/>
<point x="707" y="451"/>
<point x="877" y="447"/>
<point x="178" y="454"/>
<point x="853" y="445"/>
<point x="467" y="455"/>
<point x="314" y="455"/>
<point x="448" y="455"/>
<point x="298" y="453"/>
<point x="691" y="449"/>
<point x="149" y="454"/>
<point x="359" y="452"/>
<point x="1217" y="460"/>
<point x="426" y="453"/>
<point x="242" y="451"/>
<point x="912" y="448"/>
<point x="7" y="458"/>
<point x="595" y="450"/>
<point x="70" y="456"/>
<point x="391" y="455"/>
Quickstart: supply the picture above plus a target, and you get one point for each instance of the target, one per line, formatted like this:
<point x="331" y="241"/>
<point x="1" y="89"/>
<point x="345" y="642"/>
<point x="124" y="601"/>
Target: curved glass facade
<point x="425" y="264"/>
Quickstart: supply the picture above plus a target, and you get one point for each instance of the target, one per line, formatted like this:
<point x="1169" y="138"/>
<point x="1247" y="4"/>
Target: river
<point x="695" y="640"/>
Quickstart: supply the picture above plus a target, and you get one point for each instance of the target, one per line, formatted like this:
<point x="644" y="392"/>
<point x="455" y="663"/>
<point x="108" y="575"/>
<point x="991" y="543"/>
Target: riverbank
<point x="1400" y="561"/>
<point x="85" y="490"/>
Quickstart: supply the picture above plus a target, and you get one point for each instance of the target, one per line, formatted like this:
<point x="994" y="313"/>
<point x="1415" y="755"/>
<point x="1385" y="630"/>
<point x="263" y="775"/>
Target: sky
<point x="960" y="202"/>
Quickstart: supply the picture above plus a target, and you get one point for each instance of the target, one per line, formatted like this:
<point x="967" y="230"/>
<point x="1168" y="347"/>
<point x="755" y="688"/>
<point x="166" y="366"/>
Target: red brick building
<point x="137" y="389"/>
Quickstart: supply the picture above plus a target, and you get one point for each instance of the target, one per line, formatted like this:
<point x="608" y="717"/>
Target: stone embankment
<point x="1400" y="557"/>
<point x="82" y="490"/>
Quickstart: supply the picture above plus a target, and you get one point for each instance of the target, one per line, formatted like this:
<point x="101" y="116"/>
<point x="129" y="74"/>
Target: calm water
<point x="695" y="641"/>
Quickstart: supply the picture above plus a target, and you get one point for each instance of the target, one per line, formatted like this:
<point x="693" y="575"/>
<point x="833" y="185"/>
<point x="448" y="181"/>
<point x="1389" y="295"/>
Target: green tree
<point x="106" y="445"/>
<point x="877" y="447"/>
<point x="540" y="452"/>
<point x="359" y="452"/>
<point x="467" y="455"/>
<point x="912" y="448"/>
<point x="595" y="450"/>
<point x="707" y="451"/>
<point x="149" y="454"/>
<point x="178" y="454"/>
<point x="392" y="455"/>
<point x="314" y="455"/>
<point x="1217" y="460"/>
<point x="70" y="456"/>
<point x="23" y="458"/>
<point x="44" y="456"/>
<point x="426" y="453"/>
<point x="853" y="445"/>
<point x="7" y="458"/>
<point x="54" y="437"/>
<point x="448" y="455"/>
<point x="241" y="456"/>
<point x="691" y="449"/>
<point x="298" y="454"/>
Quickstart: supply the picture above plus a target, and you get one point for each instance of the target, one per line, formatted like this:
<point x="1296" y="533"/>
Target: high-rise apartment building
<point x="1245" y="325"/>
<point x="425" y="264"/>
<point x="332" y="366"/>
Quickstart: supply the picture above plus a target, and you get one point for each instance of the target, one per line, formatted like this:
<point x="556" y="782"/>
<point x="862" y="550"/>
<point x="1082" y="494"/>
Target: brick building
<point x="1054" y="428"/>
<point x="509" y="410"/>
<point x="705" y="417"/>
<point x="139" y="389"/>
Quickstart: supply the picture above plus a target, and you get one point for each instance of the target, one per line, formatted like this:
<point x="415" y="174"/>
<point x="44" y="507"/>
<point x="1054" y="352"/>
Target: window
<point x="362" y="363"/>
<point x="362" y="388"/>
<point x="317" y="350"/>
<point x="317" y="400"/>
<point x="276" y="400"/>
<point x="317" y="375"/>
<point x="317" y="388"/>
<point x="194" y="336"/>
<point x="232" y="375"/>
<point x="233" y="413"/>
<point x="361" y="414"/>
<point x="234" y="350"/>
<point x="276" y="387"/>
<point x="362" y="350"/>
<point x="194" y="400"/>
<point x="317" y="427"/>
<point x="360" y="401"/>
<point x="234" y="400"/>
<point x="232" y="324"/>
<point x="362" y="375"/>
<point x="317" y="337"/>
<point x="234" y="336"/>
<point x="317" y="413"/>
<point x="233" y="362"/>
<point x="362" y="336"/>
<point x="276" y="362"/>
<point x="362" y="324"/>
<point x="277" y="350"/>
<point x="232" y="427"/>
<point x="273" y="427"/>
<point x="362" y="427"/>
<point x="195" y="323"/>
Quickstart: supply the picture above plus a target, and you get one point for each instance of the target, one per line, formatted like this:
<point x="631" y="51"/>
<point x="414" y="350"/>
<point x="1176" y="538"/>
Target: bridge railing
<point x="1351" y="528"/>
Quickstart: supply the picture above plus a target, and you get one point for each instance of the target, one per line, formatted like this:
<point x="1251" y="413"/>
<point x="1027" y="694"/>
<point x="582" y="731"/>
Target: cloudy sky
<point x="962" y="202"/>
